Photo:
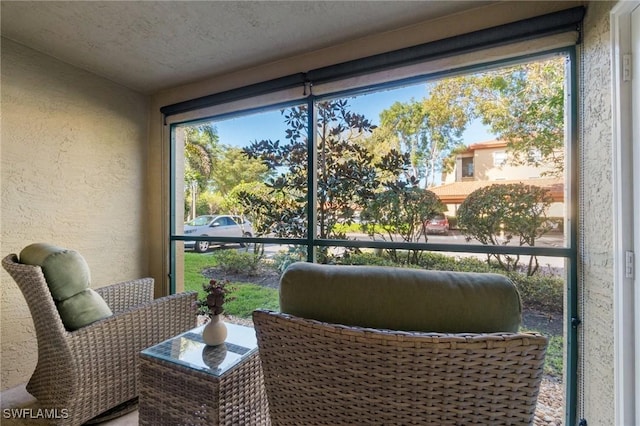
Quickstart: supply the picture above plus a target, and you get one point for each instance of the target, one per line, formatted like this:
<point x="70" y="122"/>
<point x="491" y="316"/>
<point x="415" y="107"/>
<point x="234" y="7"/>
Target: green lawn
<point x="246" y="296"/>
<point x="194" y="263"/>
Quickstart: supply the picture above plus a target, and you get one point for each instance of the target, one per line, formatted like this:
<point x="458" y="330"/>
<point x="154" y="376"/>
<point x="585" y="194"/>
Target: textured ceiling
<point x="151" y="45"/>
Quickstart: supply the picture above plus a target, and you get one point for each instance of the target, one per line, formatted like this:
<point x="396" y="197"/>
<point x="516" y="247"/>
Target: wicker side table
<point x="183" y="381"/>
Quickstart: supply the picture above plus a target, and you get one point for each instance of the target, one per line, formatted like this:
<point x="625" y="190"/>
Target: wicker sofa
<point x="452" y="353"/>
<point x="91" y="372"/>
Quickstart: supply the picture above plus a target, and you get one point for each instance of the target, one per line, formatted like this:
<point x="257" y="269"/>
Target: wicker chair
<point x="321" y="373"/>
<point x="90" y="373"/>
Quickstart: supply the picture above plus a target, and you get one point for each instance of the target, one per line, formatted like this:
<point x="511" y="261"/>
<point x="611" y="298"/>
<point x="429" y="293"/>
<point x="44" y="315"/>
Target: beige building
<point x="488" y="163"/>
<point x="85" y="156"/>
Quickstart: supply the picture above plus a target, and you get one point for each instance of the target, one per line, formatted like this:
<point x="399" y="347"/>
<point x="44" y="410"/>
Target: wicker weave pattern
<point x="123" y="295"/>
<point x="175" y="395"/>
<point x="93" y="369"/>
<point x="323" y="374"/>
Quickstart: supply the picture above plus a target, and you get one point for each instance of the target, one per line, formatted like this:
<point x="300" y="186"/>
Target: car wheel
<point x="246" y="235"/>
<point x="202" y="246"/>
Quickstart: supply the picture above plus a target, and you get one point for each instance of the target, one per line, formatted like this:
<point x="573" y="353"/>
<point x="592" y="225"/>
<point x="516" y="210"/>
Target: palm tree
<point x="200" y="151"/>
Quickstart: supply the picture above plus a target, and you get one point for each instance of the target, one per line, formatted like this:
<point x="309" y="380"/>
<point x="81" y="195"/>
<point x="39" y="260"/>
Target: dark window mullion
<point x="312" y="181"/>
<point x="172" y="208"/>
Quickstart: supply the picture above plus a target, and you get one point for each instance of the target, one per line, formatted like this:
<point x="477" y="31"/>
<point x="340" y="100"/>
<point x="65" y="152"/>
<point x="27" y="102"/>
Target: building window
<point x="499" y="158"/>
<point x="467" y="167"/>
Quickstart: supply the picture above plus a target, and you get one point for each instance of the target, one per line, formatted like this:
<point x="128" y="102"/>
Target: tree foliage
<point x="426" y="129"/>
<point x="521" y="104"/>
<point x="200" y="150"/>
<point x="270" y="213"/>
<point x="501" y="214"/>
<point x="233" y="167"/>
<point x="349" y="176"/>
<point x="524" y="105"/>
<point x="401" y="210"/>
<point x="345" y="174"/>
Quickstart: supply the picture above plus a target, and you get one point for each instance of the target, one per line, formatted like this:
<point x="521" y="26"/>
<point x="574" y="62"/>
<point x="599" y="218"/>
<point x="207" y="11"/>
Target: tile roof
<point x="453" y="193"/>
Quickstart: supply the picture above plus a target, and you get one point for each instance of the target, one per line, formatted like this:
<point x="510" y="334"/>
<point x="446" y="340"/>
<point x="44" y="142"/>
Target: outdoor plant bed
<point x="264" y="276"/>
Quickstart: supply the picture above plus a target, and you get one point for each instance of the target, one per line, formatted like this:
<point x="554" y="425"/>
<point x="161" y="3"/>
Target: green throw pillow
<point x="66" y="272"/>
<point x="68" y="277"/>
<point x="83" y="309"/>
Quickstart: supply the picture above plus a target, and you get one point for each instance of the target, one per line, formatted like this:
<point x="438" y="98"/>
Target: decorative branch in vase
<point x="212" y="306"/>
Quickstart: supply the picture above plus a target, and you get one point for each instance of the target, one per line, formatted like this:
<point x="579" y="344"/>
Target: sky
<point x="242" y="130"/>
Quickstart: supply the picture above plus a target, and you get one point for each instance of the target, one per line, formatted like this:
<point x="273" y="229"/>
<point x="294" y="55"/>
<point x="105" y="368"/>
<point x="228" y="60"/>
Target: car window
<point x="226" y="221"/>
<point x="199" y="221"/>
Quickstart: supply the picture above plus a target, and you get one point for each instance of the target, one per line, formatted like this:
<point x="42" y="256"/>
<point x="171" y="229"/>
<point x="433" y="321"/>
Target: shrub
<point x="500" y="213"/>
<point x="541" y="292"/>
<point x="284" y="258"/>
<point x="441" y="262"/>
<point x="237" y="262"/>
<point x="401" y="211"/>
<point x="367" y="258"/>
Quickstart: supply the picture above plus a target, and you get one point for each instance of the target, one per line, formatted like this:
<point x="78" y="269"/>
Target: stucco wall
<point x="73" y="174"/>
<point x="597" y="228"/>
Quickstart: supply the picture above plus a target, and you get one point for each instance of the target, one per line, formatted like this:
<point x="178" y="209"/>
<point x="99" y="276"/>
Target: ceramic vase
<point x="215" y="332"/>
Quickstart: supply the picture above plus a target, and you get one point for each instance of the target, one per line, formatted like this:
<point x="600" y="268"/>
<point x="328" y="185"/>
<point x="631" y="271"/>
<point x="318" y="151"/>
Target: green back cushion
<point x="401" y="299"/>
<point x="68" y="278"/>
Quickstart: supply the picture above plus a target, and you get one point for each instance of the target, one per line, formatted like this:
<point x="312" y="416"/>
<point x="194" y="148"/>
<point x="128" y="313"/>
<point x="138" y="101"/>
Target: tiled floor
<point x="18" y="397"/>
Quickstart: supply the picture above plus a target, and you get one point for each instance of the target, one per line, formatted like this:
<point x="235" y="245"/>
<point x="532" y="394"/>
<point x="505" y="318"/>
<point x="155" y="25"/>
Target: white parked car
<point x="215" y="226"/>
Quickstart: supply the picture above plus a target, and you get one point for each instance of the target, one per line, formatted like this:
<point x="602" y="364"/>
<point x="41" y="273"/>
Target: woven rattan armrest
<point x="112" y="369"/>
<point x="126" y="294"/>
<point x="155" y="316"/>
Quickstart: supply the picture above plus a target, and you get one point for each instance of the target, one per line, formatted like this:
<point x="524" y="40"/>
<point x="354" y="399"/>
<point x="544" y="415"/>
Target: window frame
<point x="569" y="252"/>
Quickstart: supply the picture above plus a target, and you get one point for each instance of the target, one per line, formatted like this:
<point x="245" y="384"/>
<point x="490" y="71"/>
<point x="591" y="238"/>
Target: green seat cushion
<point x="401" y="298"/>
<point x="68" y="278"/>
<point x="83" y="309"/>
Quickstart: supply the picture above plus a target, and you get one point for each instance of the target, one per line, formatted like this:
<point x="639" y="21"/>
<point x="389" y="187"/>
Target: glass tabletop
<point x="188" y="350"/>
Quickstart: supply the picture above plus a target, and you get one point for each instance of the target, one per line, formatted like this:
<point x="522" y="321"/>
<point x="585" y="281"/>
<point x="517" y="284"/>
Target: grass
<point x="247" y="297"/>
<point x="554" y="358"/>
<point x="194" y="264"/>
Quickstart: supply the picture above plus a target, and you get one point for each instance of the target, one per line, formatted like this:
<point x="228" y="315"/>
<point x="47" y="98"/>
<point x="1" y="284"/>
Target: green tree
<point x="233" y="167"/>
<point x="524" y="105"/>
<point x="255" y="202"/>
<point x="427" y="129"/>
<point x="500" y="214"/>
<point x="345" y="173"/>
<point x="401" y="211"/>
<point x="200" y="150"/>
